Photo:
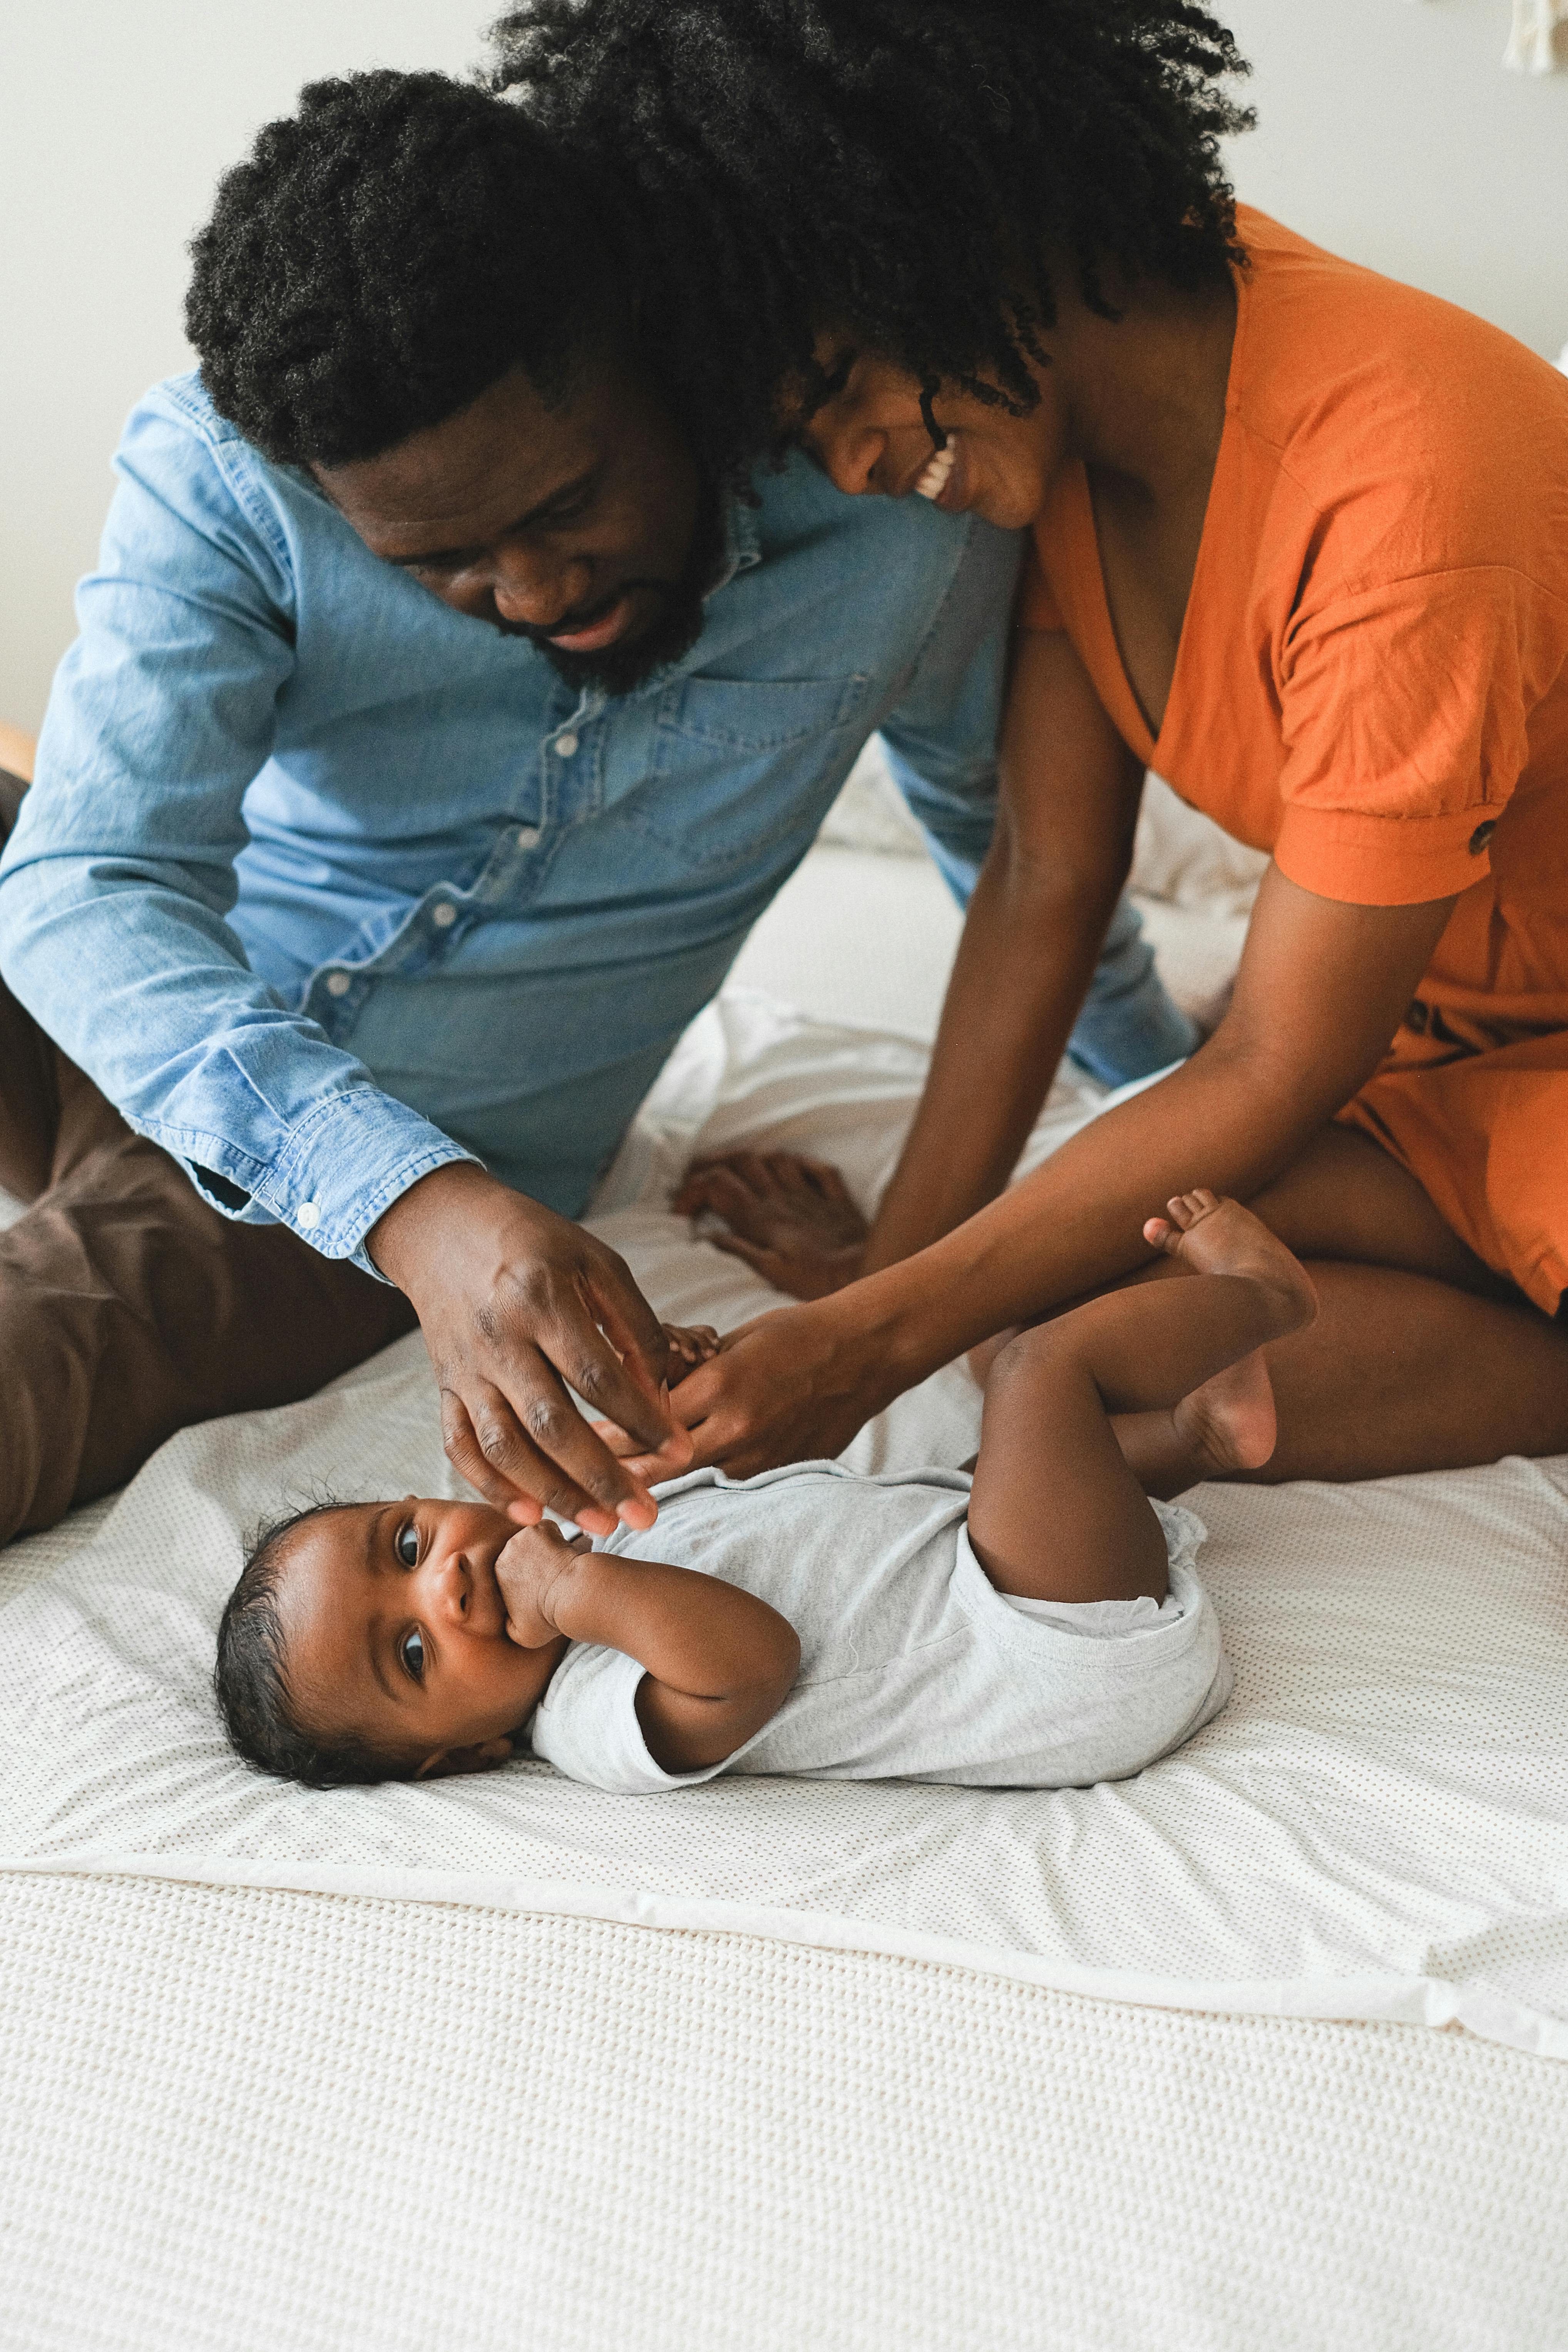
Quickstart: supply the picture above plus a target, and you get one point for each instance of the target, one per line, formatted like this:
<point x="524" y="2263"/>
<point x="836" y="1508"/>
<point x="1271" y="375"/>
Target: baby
<point x="1039" y="1624"/>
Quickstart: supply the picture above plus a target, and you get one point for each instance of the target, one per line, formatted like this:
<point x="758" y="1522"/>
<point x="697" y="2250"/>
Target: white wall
<point x="1388" y="131"/>
<point x="116" y="119"/>
<point x="1391" y="133"/>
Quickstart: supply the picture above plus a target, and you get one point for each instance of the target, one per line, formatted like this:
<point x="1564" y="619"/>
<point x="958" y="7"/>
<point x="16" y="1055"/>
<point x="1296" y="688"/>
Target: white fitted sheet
<point x="1373" y="1830"/>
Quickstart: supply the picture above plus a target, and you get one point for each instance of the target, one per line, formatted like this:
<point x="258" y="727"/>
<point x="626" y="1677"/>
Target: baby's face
<point x="394" y="1631"/>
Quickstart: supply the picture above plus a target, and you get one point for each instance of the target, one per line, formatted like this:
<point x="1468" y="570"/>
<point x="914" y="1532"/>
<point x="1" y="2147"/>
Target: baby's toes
<point x="1160" y="1234"/>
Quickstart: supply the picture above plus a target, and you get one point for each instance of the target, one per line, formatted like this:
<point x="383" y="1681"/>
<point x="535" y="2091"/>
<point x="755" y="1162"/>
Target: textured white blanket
<point x="1374" y="1827"/>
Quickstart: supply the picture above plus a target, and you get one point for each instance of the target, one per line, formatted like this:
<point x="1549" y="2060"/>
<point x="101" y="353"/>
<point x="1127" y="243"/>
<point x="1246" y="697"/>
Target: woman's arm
<point x="1322" y="989"/>
<point x="720" y="1662"/>
<point x="1037" y="922"/>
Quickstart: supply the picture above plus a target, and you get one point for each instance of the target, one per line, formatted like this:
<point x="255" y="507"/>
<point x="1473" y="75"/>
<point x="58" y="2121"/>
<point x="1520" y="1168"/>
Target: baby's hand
<point x="689" y="1345"/>
<point x="530" y="1566"/>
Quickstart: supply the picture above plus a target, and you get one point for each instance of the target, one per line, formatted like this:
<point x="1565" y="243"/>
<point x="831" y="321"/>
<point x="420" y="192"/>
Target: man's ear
<point x="488" y="1757"/>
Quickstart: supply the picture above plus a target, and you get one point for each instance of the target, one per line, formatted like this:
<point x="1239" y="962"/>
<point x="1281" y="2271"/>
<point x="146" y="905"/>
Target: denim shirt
<point x="326" y="885"/>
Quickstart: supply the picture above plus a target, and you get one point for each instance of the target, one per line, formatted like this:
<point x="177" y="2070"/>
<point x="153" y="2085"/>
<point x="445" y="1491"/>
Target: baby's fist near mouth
<point x="528" y="1566"/>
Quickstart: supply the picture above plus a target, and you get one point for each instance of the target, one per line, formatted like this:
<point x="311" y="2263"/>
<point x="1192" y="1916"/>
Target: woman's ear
<point x="488" y="1757"/>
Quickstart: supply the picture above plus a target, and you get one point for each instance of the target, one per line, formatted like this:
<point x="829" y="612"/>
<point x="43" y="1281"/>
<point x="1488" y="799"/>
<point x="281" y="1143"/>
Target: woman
<point x="1299" y="540"/>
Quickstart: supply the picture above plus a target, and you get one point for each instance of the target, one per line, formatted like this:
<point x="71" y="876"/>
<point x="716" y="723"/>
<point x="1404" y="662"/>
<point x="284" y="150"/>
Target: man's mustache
<point x="570" y="622"/>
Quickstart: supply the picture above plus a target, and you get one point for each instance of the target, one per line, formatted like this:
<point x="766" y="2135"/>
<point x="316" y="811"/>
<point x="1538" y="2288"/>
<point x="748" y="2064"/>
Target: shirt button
<point x="1482" y="835"/>
<point x="566" y="744"/>
<point x="306" y="1216"/>
<point x="338" y="983"/>
<point x="528" y="836"/>
<point x="444" y="914"/>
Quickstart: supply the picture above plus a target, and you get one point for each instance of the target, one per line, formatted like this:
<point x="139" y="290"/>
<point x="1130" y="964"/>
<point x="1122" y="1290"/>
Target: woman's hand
<point x="517" y="1304"/>
<point x="792" y="1386"/>
<point x="791" y="1220"/>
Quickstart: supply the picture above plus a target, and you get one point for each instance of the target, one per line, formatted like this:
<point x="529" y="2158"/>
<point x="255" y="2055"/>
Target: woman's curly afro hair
<point x="900" y="168"/>
<point x="386" y="253"/>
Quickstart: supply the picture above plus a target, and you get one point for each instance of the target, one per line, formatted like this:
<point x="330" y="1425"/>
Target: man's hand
<point x="516" y="1304"/>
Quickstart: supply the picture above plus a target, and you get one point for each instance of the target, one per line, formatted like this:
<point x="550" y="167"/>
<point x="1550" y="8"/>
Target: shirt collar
<point x="742" y="540"/>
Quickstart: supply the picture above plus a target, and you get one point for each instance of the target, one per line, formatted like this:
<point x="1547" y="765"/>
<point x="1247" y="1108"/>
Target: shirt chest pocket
<point x="739" y="764"/>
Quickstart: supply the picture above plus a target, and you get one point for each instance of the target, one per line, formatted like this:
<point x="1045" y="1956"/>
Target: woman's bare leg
<point x="1056" y="1512"/>
<point x="1344" y="1197"/>
<point x="1402" y="1373"/>
<point x="1421" y="1358"/>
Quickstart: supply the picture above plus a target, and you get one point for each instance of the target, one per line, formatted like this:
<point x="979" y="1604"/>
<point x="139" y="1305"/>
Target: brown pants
<point x="129" y="1309"/>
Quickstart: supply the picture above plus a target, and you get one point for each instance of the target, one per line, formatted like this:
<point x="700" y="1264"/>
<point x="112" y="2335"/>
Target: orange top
<point x="1372" y="674"/>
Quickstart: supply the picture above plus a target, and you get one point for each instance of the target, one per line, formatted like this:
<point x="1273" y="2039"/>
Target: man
<point x="436" y="731"/>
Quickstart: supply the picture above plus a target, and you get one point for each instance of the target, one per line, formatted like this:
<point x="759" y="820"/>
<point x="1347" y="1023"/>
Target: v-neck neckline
<point x="1130" y="717"/>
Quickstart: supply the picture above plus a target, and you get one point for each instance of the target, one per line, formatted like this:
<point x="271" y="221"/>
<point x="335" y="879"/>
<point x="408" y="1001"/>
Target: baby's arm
<point x="719" y="1661"/>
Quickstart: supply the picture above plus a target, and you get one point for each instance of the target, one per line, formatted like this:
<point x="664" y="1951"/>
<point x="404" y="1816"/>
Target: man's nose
<point x="537" y="588"/>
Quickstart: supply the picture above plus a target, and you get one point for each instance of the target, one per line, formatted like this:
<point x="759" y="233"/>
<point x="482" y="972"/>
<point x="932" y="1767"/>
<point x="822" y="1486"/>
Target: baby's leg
<point x="1056" y="1513"/>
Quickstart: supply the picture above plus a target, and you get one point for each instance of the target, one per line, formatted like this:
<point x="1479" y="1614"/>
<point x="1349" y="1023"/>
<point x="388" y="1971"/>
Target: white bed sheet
<point x="248" y="2121"/>
<point x="1373" y="1830"/>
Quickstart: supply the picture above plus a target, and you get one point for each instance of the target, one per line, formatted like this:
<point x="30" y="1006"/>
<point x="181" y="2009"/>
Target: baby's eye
<point x="411" y="1654"/>
<point x="405" y="1544"/>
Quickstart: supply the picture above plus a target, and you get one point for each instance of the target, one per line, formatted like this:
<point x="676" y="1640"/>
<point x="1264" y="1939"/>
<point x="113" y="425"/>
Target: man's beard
<point x="678" y="620"/>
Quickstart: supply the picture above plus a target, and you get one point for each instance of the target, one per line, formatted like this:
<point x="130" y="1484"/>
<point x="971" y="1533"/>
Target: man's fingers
<point x="672" y="1457"/>
<point x="742" y="1209"/>
<point x="715" y="1187"/>
<point x="693" y="1192"/>
<point x="536" y="1443"/>
<point x="795" y="1174"/>
<point x="752" y="1169"/>
<point x="466" y="1458"/>
<point x="627" y="1381"/>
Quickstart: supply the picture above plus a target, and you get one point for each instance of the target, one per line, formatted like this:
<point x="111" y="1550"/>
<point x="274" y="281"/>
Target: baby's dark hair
<point x="251" y="1679"/>
<point x="383" y="257"/>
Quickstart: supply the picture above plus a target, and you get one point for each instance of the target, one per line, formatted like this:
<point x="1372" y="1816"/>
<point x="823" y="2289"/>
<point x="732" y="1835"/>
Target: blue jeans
<point x="1129" y="1026"/>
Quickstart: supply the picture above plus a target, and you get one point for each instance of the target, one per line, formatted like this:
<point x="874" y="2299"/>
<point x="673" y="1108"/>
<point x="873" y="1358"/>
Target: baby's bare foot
<point x="1229" y="1424"/>
<point x="1214" y="1236"/>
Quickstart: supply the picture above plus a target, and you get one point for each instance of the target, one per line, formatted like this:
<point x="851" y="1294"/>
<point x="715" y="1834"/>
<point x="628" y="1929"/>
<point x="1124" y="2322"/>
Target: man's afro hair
<point x="386" y="253"/>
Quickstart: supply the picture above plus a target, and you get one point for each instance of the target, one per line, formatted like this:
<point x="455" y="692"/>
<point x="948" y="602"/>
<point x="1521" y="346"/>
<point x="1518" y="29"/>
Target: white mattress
<point x="241" y="2116"/>
<point x="1370" y="1830"/>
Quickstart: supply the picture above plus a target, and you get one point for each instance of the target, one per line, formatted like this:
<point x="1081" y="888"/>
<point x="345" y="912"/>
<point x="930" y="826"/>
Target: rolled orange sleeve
<point x="1383" y="861"/>
<point x="1404" y="713"/>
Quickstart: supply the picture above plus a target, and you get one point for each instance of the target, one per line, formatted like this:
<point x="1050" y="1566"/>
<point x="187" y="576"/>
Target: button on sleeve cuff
<point x="340" y="1168"/>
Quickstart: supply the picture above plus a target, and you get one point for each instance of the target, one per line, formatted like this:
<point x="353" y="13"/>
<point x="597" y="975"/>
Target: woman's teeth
<point x="934" y="481"/>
